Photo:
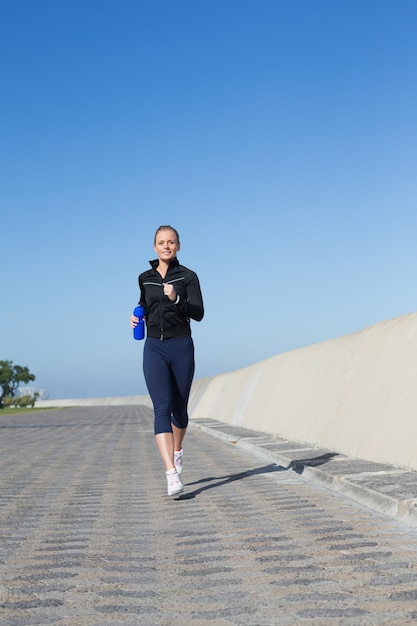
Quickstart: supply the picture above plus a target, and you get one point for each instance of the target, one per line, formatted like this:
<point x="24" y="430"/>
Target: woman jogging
<point x="170" y="295"/>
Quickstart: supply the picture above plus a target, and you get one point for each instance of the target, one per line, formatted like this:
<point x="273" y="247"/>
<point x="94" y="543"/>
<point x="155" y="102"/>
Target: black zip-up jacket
<point x="166" y="319"/>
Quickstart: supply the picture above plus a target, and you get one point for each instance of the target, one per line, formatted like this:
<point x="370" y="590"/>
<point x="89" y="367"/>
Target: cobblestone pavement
<point x="89" y="536"/>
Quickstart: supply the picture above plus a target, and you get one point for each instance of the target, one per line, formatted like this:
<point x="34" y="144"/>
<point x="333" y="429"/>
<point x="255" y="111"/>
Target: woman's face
<point x="166" y="245"/>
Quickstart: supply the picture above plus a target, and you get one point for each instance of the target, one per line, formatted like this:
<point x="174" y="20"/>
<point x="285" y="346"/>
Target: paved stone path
<point x="88" y="536"/>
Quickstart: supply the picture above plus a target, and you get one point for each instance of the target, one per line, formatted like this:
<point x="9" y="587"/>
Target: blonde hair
<point x="167" y="227"/>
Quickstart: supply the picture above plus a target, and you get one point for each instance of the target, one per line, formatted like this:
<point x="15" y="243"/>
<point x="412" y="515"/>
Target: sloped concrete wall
<point x="356" y="394"/>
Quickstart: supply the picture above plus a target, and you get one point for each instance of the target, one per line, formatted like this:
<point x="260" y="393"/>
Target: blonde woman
<point x="171" y="296"/>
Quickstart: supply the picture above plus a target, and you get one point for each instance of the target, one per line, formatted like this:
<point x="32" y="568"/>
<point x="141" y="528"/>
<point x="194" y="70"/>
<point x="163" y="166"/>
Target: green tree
<point x="10" y="378"/>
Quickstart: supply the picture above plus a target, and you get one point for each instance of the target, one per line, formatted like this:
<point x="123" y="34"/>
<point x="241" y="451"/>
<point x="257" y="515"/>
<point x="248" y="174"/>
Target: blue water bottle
<point x="139" y="330"/>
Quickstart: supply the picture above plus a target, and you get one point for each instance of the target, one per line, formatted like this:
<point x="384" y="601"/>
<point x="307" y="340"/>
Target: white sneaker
<point x="178" y="460"/>
<point x="174" y="483"/>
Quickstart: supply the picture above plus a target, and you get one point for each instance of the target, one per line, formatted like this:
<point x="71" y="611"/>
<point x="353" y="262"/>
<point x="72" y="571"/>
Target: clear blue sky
<point x="278" y="136"/>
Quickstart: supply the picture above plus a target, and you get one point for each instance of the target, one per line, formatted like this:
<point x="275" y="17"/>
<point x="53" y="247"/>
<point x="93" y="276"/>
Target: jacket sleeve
<point x="192" y="306"/>
<point x="142" y="301"/>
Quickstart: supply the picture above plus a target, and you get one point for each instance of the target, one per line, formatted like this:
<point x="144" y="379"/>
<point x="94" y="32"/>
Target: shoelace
<point x="173" y="480"/>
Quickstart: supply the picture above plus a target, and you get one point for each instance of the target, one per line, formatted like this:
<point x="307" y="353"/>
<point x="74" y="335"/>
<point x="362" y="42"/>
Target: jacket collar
<point x="155" y="263"/>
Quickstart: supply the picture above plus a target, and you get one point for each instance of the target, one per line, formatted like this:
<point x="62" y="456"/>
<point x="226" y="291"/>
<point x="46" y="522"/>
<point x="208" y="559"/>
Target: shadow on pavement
<point x="297" y="465"/>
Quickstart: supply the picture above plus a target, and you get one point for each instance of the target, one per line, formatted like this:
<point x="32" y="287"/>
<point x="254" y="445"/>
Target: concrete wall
<point x="128" y="400"/>
<point x="356" y="394"/>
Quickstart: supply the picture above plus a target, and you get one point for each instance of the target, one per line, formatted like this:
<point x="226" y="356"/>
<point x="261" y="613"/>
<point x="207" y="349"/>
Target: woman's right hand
<point x="134" y="321"/>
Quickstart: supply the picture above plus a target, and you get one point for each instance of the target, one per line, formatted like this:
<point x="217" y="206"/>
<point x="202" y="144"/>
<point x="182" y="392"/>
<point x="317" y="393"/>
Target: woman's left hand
<point x="169" y="291"/>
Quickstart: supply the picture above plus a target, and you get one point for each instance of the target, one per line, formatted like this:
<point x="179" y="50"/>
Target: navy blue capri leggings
<point x="168" y="367"/>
